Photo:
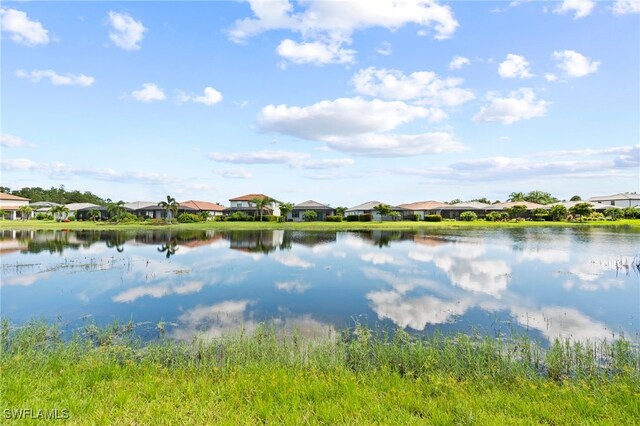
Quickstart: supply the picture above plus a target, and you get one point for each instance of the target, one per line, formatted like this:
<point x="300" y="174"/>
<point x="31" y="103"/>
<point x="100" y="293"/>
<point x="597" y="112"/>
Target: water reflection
<point x="549" y="283"/>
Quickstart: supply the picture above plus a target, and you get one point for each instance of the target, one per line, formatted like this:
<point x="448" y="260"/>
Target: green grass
<point x="104" y="376"/>
<point x="627" y="224"/>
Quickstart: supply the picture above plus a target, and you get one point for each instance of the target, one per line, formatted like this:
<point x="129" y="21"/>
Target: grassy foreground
<point x="104" y="376"/>
<point x="626" y="224"/>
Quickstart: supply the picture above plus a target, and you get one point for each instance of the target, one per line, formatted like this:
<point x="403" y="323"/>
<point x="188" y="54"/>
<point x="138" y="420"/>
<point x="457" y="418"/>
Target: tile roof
<point x="423" y="205"/>
<point x="310" y="204"/>
<point x="78" y="206"/>
<point x="369" y="205"/>
<point x="139" y="205"/>
<point x="508" y="205"/>
<point x="4" y="196"/>
<point x="249" y="197"/>
<point x="43" y="204"/>
<point x="470" y="205"/>
<point x="202" y="205"/>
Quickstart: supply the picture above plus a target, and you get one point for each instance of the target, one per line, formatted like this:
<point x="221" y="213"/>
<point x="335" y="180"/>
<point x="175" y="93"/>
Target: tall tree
<point x="540" y="197"/>
<point x="171" y="207"/>
<point x="261" y="203"/>
<point x="59" y="211"/>
<point x="558" y="212"/>
<point x="340" y="211"/>
<point x="581" y="210"/>
<point x="516" y="196"/>
<point x="94" y="214"/>
<point x="285" y="209"/>
<point x="116" y="210"/>
<point x="382" y="210"/>
<point x="309" y="216"/>
<point x="25" y="212"/>
<point x="517" y="211"/>
<point x="576" y="198"/>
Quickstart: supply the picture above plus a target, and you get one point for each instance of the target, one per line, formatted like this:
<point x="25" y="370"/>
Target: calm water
<point x="545" y="282"/>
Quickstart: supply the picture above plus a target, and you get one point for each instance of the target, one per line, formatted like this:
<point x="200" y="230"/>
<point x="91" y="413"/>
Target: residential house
<point x="146" y="209"/>
<point x="246" y="204"/>
<point x="11" y="204"/>
<point x="628" y="199"/>
<point x="453" y="211"/>
<point x="504" y="207"/>
<point x="423" y="208"/>
<point x="42" y="207"/>
<point x="74" y="208"/>
<point x="369" y="208"/>
<point x="212" y="209"/>
<point x="598" y="207"/>
<point x="321" y="210"/>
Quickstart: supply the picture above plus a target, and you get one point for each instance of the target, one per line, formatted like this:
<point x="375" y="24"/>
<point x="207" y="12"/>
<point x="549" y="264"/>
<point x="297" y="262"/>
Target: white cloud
<point x="295" y="286"/>
<point x="458" y="62"/>
<point x="519" y="105"/>
<point x="556" y="322"/>
<point x="235" y="173"/>
<point x="329" y="163"/>
<point x="384" y="48"/>
<point x="258" y="157"/>
<point x="581" y="8"/>
<point x="378" y="258"/>
<point x="328" y="120"/>
<point x="392" y="145"/>
<point x="292" y="261"/>
<point x="126" y="33"/>
<point x="150" y="92"/>
<point x="22" y="30"/>
<point x="316" y="52"/>
<point x="57" y="79"/>
<point x="575" y="64"/>
<point x="210" y="97"/>
<point x="157" y="291"/>
<point x="11" y="141"/>
<point x="326" y="26"/>
<point x="514" y="66"/>
<point x="550" y="77"/>
<point x="623" y="7"/>
<point x="424" y="86"/>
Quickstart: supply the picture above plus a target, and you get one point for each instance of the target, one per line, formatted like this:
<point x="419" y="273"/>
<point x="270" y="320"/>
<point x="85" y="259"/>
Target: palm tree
<point x="171" y="206"/>
<point x="261" y="204"/>
<point x="25" y="211"/>
<point x="285" y="208"/>
<point x="516" y="196"/>
<point x="58" y="211"/>
<point x="116" y="209"/>
<point x="340" y="211"/>
<point x="94" y="214"/>
<point x="170" y="247"/>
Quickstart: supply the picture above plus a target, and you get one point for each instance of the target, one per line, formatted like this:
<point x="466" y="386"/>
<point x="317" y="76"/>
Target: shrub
<point x="596" y="216"/>
<point x="352" y="218"/>
<point x="189" y="218"/>
<point x="614" y="213"/>
<point x="219" y="218"/>
<point x="468" y="216"/>
<point x="433" y="218"/>
<point x="41" y="216"/>
<point x="270" y="218"/>
<point x="128" y="217"/>
<point x="558" y="212"/>
<point x="416" y="217"/>
<point x="365" y="217"/>
<point x="631" y="212"/>
<point x="493" y="217"/>
<point x="239" y="217"/>
<point x="72" y="218"/>
<point x="336" y="218"/>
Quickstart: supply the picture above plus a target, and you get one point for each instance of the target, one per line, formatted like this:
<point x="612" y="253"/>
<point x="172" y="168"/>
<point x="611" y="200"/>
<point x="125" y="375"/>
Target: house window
<point x="295" y="213"/>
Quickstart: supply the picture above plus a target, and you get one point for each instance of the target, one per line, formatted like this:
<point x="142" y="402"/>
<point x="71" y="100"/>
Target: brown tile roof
<point x="423" y="205"/>
<point x="202" y="205"/>
<point x="509" y="204"/>
<point x="249" y="197"/>
<point x="4" y="196"/>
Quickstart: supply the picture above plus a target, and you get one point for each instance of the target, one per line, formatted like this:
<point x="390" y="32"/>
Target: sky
<point x="341" y="102"/>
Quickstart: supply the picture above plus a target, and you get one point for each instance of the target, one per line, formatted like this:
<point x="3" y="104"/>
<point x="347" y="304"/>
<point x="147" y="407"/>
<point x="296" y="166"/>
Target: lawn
<point x="105" y="377"/>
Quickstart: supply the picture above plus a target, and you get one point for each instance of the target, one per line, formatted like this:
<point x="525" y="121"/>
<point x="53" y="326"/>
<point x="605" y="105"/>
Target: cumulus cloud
<point x="292" y="261"/>
<point x="519" y="105"/>
<point x="327" y="120"/>
<point x="550" y="77"/>
<point x="210" y="97"/>
<point x="458" y="62"/>
<point x="623" y="7"/>
<point x="150" y="92"/>
<point x="326" y="26"/>
<point x="126" y="32"/>
<point x="294" y="286"/>
<point x="581" y="8"/>
<point x="514" y="66"/>
<point x="292" y="159"/>
<point x="56" y="79"/>
<point x="384" y="49"/>
<point x="235" y="173"/>
<point x="360" y="126"/>
<point x="540" y="165"/>
<point x="315" y="52"/>
<point x="22" y="30"/>
<point x="157" y="291"/>
<point x="11" y="141"/>
<point x="575" y="64"/>
<point x="424" y="87"/>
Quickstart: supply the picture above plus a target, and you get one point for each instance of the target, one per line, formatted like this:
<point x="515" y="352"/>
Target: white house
<point x="245" y="204"/>
<point x="10" y="204"/>
<point x="628" y="199"/>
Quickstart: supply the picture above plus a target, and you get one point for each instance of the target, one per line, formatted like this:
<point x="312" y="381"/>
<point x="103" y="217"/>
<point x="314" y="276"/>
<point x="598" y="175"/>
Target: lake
<point x="581" y="283"/>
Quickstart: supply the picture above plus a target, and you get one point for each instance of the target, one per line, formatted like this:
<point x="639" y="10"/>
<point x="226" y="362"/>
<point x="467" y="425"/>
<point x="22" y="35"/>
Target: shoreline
<point x="627" y="224"/>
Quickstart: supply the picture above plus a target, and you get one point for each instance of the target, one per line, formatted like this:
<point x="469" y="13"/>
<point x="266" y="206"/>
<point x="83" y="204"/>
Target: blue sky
<point x="337" y="101"/>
